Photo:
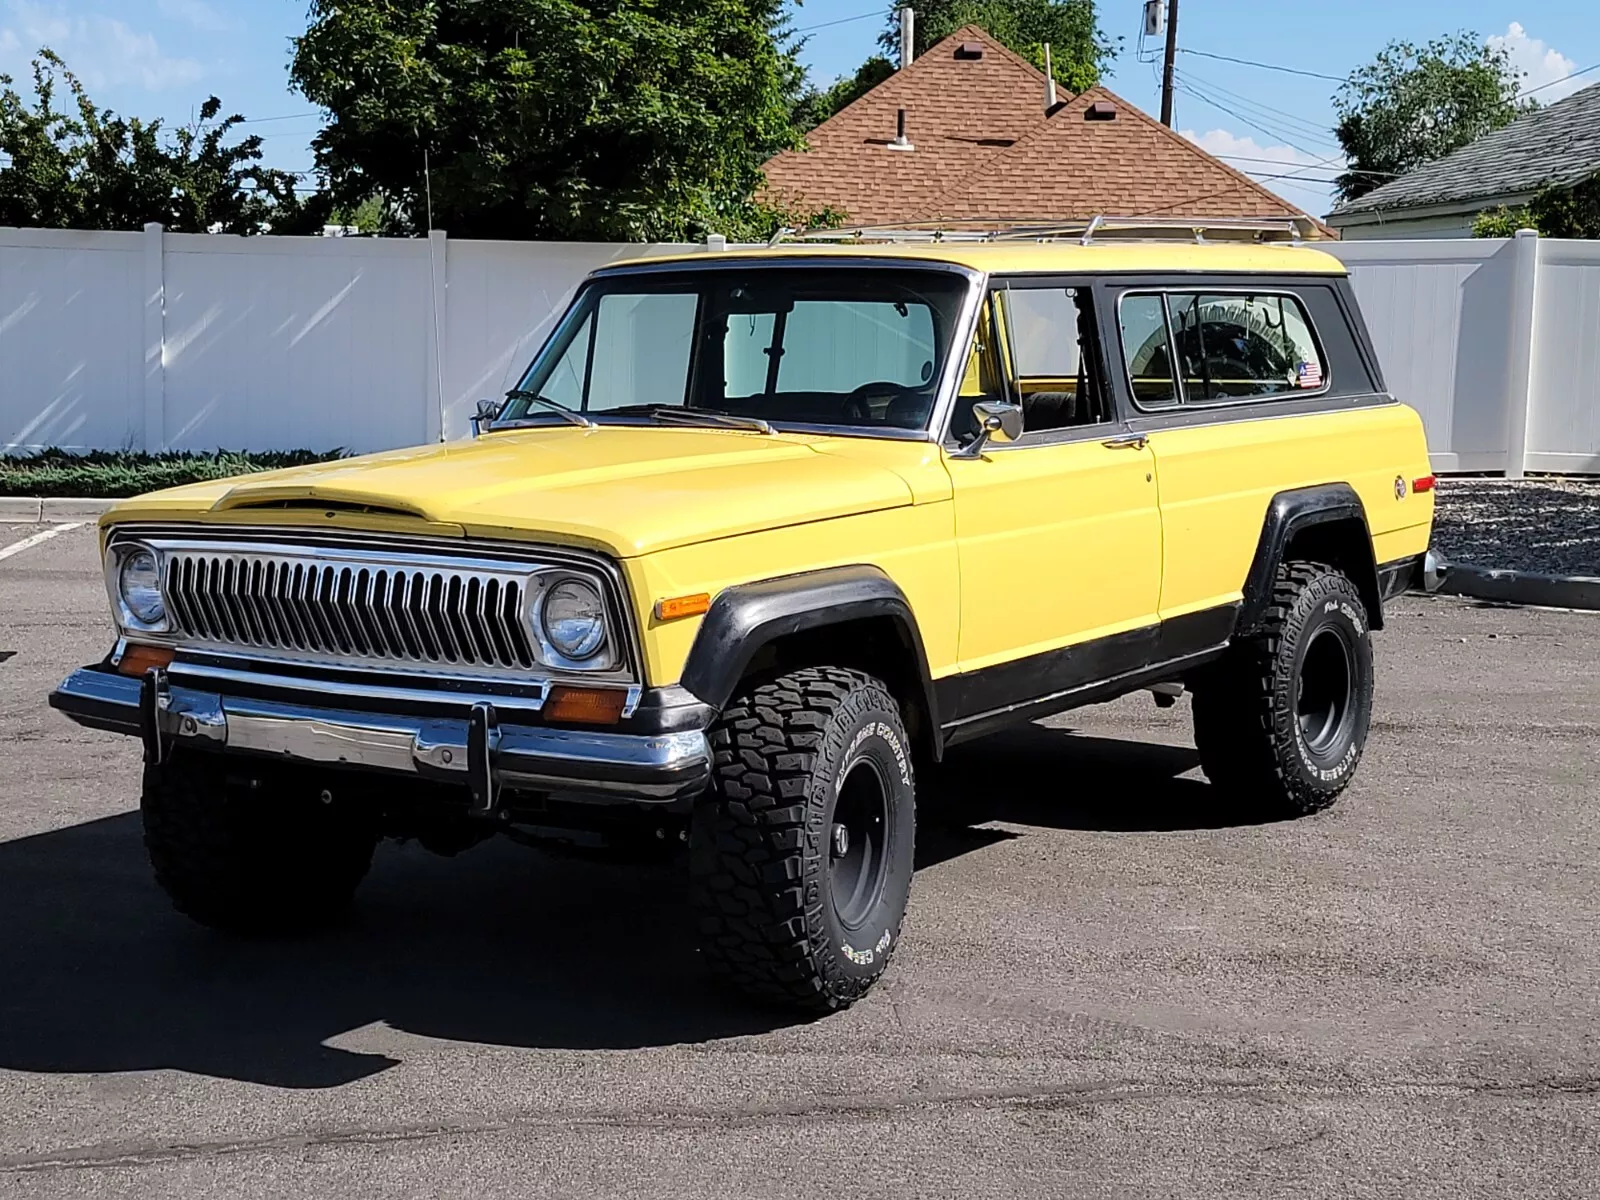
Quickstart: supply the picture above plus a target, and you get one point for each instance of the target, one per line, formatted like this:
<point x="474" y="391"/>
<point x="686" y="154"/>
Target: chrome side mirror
<point x="998" y="421"/>
<point x="488" y="410"/>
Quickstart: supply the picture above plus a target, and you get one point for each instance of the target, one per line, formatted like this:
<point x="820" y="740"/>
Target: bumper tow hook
<point x="154" y="697"/>
<point x="483" y="749"/>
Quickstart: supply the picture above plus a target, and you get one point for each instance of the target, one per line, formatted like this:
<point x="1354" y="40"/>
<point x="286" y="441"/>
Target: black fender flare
<point x="747" y="617"/>
<point x="1293" y="512"/>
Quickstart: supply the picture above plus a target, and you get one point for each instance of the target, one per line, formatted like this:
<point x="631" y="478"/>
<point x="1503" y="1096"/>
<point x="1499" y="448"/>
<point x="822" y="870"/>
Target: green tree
<point x="1079" y="50"/>
<point x="83" y="167"/>
<point x="629" y="120"/>
<point x="817" y="105"/>
<point x="1555" y="212"/>
<point x="1412" y="104"/>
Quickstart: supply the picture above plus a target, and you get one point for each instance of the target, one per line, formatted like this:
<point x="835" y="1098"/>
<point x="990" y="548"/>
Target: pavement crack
<point x="147" y="1154"/>
<point x="1037" y="1097"/>
<point x="1295" y="1143"/>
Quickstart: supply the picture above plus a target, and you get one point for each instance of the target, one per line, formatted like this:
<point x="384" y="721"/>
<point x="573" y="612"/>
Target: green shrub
<point x="109" y="473"/>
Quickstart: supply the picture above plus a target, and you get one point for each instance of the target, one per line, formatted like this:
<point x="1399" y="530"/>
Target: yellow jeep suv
<point x="756" y="538"/>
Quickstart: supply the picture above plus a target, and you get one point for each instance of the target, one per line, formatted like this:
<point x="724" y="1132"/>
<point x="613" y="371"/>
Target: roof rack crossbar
<point x="1086" y="232"/>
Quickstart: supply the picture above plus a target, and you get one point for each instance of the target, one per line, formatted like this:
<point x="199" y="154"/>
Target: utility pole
<point x="1166" y="70"/>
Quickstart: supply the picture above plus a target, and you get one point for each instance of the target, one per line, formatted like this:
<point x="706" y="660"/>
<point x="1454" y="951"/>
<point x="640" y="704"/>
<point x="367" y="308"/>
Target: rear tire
<point x="251" y="849"/>
<point x="792" y="909"/>
<point x="1282" y="720"/>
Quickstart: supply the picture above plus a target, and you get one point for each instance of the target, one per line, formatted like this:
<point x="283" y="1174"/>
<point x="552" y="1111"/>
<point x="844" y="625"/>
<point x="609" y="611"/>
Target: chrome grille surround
<point x="411" y="605"/>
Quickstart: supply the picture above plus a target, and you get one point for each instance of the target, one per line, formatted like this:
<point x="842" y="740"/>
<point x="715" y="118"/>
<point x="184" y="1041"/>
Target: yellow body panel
<point x="914" y="546"/>
<point x="1058" y="544"/>
<point x="1216" y="482"/>
<point x="1024" y="550"/>
<point x="622" y="490"/>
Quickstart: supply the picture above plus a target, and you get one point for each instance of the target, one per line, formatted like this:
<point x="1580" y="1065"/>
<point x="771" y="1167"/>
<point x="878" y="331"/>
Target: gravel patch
<point x="1547" y="525"/>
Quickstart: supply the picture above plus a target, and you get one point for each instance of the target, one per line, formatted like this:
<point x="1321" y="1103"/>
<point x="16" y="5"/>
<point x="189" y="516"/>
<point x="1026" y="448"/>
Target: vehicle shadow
<point x="504" y="946"/>
<point x="1060" y="779"/>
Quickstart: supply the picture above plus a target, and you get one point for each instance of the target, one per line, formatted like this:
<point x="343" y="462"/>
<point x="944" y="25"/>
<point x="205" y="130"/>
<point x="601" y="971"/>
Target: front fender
<point x="746" y="618"/>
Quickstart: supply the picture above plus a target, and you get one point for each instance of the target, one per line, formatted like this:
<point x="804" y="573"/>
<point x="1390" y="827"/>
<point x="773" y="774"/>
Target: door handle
<point x="1128" y="441"/>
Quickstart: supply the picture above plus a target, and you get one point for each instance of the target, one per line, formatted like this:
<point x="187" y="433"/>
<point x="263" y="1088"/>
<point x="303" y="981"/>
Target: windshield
<point x="862" y="348"/>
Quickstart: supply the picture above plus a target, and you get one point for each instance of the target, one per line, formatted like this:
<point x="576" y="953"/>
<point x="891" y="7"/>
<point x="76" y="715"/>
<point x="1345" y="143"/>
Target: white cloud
<point x="199" y="14"/>
<point x="1540" y="64"/>
<point x="1248" y="155"/>
<point x="100" y="50"/>
<point x="1277" y="168"/>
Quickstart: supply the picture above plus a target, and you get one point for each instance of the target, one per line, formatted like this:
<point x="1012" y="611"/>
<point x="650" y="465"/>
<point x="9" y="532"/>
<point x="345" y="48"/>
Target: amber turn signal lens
<point x="683" y="606"/>
<point x="585" y="706"/>
<point x="136" y="660"/>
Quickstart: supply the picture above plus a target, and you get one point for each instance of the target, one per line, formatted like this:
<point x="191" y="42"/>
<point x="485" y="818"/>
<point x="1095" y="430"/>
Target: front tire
<point x="251" y="849"/>
<point x="801" y="850"/>
<point x="1282" y="720"/>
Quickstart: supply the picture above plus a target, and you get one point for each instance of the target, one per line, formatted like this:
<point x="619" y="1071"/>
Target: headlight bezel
<point x="602" y="655"/>
<point x="128" y="619"/>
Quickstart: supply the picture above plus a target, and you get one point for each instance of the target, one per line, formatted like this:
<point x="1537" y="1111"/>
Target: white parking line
<point x="44" y="535"/>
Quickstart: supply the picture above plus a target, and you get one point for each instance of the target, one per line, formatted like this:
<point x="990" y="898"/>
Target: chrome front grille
<point x="374" y="602"/>
<point x="352" y="610"/>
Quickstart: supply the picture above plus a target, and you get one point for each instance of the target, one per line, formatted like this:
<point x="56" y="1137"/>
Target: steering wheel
<point x="856" y="404"/>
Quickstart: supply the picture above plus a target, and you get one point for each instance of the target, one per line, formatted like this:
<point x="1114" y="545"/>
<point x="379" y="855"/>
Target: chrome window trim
<point x="1201" y="289"/>
<point x="1032" y="439"/>
<point x="462" y="554"/>
<point x="955" y="360"/>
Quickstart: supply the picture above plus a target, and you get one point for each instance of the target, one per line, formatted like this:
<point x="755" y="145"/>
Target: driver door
<point x="1058" y="533"/>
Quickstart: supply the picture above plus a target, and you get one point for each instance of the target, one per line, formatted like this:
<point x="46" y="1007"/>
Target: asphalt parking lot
<point x="1110" y="985"/>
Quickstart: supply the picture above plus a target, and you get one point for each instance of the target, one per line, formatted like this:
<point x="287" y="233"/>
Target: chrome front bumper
<point x="653" y="768"/>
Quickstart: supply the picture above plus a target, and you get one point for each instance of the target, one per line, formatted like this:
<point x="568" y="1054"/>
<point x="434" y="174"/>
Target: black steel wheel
<point x="801" y="850"/>
<point x="1282" y="720"/>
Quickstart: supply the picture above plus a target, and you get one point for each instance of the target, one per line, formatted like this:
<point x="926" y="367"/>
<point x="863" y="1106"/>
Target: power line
<point x="841" y="21"/>
<point x="1563" y="79"/>
<point x="1278" y="162"/>
<point x="1246" y="62"/>
<point x="284" y="117"/>
<point x="1311" y="129"/>
<point x="1222" y="108"/>
<point x="1263" y="118"/>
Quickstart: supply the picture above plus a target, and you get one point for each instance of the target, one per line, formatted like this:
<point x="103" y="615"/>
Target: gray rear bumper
<point x="647" y="767"/>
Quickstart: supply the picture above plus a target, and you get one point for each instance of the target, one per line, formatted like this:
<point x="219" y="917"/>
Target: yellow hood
<point x="623" y="489"/>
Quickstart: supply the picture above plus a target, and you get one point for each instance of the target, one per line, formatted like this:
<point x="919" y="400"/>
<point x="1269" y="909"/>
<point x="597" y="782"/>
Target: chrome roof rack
<point x="1200" y="230"/>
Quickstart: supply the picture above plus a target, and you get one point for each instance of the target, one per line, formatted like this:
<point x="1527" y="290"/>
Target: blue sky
<point x="163" y="57"/>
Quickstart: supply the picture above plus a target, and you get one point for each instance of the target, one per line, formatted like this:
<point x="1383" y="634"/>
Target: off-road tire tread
<point x="1245" y="749"/>
<point x="750" y="842"/>
<point x="224" y="866"/>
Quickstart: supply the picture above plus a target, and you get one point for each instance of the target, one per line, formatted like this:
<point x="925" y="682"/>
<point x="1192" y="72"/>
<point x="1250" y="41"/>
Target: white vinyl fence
<point x="1495" y="342"/>
<point x="155" y="340"/>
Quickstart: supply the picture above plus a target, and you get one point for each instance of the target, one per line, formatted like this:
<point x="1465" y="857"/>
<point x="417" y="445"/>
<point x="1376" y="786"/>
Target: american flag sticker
<point x="1309" y="375"/>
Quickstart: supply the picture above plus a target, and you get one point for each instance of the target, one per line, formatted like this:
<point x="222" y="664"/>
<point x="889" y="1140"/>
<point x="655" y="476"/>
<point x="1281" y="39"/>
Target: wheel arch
<point x="1326" y="523"/>
<point x="850" y="616"/>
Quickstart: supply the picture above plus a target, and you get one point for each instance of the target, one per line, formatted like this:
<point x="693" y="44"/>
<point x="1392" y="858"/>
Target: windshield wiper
<point x="568" y="415"/>
<point x="692" y="416"/>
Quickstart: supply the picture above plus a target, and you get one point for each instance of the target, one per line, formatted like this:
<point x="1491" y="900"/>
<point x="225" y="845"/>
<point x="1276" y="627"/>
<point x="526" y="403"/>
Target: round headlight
<point x="139" y="582"/>
<point x="574" y="619"/>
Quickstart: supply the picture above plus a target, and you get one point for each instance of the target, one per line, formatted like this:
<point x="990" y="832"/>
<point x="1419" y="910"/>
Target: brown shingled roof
<point x="987" y="150"/>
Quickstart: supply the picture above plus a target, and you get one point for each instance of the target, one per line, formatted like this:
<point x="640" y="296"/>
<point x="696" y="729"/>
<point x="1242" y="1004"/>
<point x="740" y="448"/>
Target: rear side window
<point x="1240" y="346"/>
<point x="1184" y="347"/>
<point x="1147" y="350"/>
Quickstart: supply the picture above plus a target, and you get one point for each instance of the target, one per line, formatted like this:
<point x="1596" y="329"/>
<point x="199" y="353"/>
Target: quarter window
<point x="1235" y="346"/>
<point x="1147" y="351"/>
